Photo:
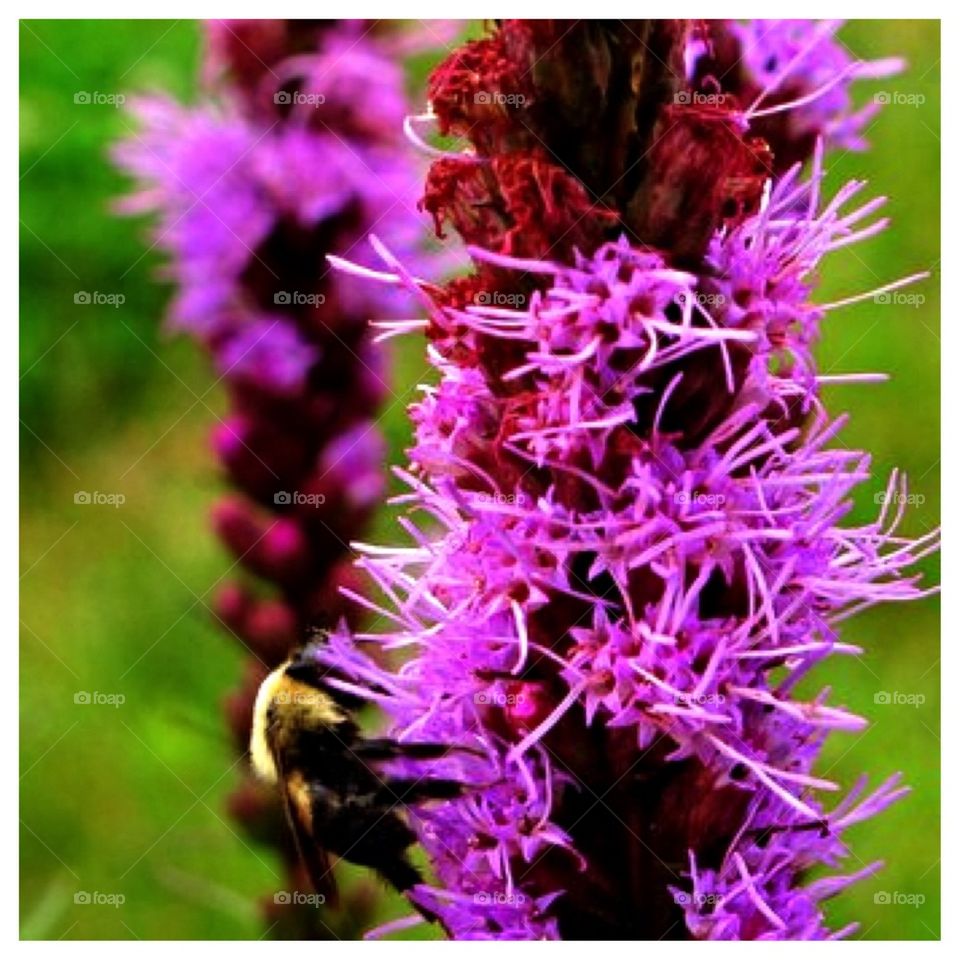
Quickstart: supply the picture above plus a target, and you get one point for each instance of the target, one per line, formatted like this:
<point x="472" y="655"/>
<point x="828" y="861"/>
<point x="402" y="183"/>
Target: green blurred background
<point x="128" y="800"/>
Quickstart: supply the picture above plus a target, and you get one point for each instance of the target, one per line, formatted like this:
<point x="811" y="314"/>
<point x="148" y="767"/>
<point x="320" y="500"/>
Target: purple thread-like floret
<point x="754" y="507"/>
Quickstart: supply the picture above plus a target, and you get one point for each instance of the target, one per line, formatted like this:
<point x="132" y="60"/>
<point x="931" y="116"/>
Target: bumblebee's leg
<point x="383" y="748"/>
<point x="399" y="872"/>
<point x="403" y="790"/>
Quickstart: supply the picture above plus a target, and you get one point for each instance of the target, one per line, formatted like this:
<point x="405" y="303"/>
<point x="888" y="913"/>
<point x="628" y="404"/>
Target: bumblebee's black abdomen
<point x="363" y="829"/>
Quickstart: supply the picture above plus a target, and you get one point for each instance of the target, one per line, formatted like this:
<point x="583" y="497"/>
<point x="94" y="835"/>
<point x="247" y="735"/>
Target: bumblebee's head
<point x="291" y="701"/>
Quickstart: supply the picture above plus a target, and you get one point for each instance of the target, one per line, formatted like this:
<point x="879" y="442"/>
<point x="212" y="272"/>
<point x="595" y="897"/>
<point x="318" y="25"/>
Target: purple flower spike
<point x="627" y="514"/>
<point x="297" y="149"/>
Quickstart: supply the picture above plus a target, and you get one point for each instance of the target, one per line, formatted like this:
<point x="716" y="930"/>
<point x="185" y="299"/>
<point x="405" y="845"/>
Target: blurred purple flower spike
<point x="295" y="149"/>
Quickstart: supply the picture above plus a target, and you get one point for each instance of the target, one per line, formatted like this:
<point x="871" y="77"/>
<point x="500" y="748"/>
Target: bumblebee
<point x="337" y="798"/>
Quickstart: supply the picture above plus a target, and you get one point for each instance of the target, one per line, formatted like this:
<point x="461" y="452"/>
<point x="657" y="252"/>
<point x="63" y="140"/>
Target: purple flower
<point x="267" y="354"/>
<point x="296" y="149"/>
<point x="626" y="548"/>
<point x="793" y="81"/>
<point x="805" y="58"/>
<point x="229" y="190"/>
<point x="194" y="166"/>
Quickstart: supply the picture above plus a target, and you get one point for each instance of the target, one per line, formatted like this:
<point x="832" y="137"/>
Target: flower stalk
<point x="626" y="496"/>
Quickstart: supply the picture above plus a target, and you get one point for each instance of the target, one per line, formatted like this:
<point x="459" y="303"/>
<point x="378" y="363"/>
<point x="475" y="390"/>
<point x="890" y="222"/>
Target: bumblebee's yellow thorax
<point x="284" y="707"/>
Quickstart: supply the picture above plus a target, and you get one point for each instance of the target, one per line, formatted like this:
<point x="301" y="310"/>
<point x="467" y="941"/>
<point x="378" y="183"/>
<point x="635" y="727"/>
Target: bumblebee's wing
<point x="298" y="806"/>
